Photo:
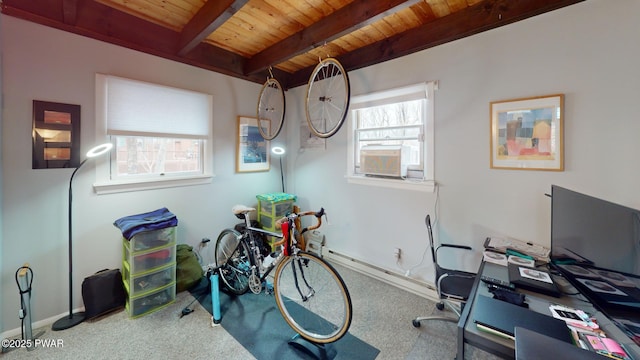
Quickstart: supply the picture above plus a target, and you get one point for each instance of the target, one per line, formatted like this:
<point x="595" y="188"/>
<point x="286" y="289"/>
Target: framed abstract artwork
<point x="527" y="134"/>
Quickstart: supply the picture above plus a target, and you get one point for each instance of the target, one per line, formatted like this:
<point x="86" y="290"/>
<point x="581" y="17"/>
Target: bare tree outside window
<point x="159" y="156"/>
<point x="393" y="124"/>
<point x="392" y="134"/>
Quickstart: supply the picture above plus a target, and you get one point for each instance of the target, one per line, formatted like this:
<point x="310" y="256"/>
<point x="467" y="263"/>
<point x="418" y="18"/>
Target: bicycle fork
<point x="311" y="292"/>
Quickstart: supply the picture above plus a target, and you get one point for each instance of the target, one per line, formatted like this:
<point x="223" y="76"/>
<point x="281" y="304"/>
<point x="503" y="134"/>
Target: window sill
<point x="113" y="187"/>
<point x="414" y="185"/>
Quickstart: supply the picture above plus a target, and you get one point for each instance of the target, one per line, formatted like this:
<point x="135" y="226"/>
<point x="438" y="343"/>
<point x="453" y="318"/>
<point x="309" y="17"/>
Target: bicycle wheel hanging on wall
<point x="271" y="108"/>
<point x="327" y="101"/>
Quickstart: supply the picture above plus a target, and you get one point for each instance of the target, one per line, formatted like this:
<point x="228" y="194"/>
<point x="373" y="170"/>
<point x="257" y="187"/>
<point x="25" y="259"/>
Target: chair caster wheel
<point x="440" y="306"/>
<point x="416" y="323"/>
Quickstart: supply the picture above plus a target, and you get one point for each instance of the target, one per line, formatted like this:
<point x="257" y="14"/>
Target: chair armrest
<point x="444" y="268"/>
<point x="456" y="246"/>
<point x="457" y="274"/>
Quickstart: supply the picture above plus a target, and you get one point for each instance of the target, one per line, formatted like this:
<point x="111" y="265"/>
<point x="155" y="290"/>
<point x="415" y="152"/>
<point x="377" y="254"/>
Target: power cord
<point x="409" y="271"/>
<point x="22" y="313"/>
<point x="187" y="310"/>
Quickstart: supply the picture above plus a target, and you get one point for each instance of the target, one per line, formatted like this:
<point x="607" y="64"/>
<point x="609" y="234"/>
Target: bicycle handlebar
<point x="293" y="216"/>
<point x="318" y="216"/>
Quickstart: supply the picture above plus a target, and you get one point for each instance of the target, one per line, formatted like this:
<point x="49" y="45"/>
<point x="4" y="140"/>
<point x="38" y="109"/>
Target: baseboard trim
<point x="37" y="325"/>
<point x="400" y="281"/>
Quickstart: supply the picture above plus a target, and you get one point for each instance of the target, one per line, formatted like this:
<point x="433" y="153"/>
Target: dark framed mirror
<point x="56" y="135"/>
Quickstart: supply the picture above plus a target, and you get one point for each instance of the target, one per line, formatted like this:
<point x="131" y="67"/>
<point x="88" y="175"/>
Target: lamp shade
<point x="99" y="150"/>
<point x="278" y="150"/>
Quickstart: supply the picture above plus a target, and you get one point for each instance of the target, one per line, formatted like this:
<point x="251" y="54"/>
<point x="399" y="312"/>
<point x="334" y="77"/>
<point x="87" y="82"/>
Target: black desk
<point x="531" y="345"/>
<point x="505" y="348"/>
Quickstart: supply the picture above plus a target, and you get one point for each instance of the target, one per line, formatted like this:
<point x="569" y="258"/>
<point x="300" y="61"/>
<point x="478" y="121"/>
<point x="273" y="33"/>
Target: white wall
<point x="1" y="177"/>
<point x="46" y="64"/>
<point x="587" y="51"/>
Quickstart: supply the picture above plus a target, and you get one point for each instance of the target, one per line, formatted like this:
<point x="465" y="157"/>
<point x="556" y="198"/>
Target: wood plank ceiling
<point x="247" y="38"/>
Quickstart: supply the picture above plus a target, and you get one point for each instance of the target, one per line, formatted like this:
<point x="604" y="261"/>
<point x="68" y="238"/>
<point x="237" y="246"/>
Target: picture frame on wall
<point x="527" y="133"/>
<point x="308" y="140"/>
<point x="55" y="135"/>
<point x="252" y="153"/>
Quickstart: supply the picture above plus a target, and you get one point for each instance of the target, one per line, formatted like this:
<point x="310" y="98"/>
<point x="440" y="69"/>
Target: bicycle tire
<point x="233" y="261"/>
<point x="328" y="96"/>
<point x="328" y="311"/>
<point x="271" y="109"/>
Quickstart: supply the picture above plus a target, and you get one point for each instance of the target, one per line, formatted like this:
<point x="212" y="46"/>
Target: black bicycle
<point x="310" y="293"/>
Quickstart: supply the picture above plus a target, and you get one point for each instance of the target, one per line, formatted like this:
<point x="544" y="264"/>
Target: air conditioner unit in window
<point x="384" y="160"/>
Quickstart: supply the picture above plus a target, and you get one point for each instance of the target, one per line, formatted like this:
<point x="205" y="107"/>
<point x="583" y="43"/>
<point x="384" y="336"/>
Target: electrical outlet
<point x="396" y="253"/>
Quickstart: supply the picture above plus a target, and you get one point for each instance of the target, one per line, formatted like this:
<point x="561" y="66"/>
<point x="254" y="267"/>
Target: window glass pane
<point x="404" y="113"/>
<point x="392" y="124"/>
<point x="393" y="133"/>
<point x="139" y="156"/>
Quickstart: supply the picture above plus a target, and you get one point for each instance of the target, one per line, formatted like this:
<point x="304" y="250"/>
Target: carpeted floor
<point x="382" y="318"/>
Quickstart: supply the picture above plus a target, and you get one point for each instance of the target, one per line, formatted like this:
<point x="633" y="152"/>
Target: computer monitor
<point x="595" y="244"/>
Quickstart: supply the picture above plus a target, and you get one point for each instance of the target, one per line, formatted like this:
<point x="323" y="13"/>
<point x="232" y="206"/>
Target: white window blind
<point x="144" y="109"/>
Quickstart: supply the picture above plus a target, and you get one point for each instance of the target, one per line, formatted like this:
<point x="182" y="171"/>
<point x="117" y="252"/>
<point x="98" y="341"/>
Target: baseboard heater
<point x="400" y="281"/>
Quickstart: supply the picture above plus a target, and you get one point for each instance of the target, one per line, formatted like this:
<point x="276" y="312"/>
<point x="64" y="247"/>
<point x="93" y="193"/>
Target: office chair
<point x="454" y="286"/>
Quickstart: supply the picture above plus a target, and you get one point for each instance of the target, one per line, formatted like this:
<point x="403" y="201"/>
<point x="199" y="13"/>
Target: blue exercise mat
<point x="255" y="322"/>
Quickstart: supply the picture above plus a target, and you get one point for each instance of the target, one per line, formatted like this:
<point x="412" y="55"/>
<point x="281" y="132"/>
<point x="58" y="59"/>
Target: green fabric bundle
<point x="188" y="269"/>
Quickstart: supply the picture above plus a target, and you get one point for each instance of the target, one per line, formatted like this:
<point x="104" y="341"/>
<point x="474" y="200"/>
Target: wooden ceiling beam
<point x="69" y="11"/>
<point x="354" y="16"/>
<point x="205" y="21"/>
<point x="483" y="16"/>
<point x="213" y="58"/>
<point x="100" y="22"/>
<point x="38" y="11"/>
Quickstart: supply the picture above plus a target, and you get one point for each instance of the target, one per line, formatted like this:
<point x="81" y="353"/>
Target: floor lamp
<point x="279" y="152"/>
<point x="72" y="319"/>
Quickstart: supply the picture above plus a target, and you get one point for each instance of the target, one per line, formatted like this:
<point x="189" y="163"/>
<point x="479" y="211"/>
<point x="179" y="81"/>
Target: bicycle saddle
<point x="242" y="209"/>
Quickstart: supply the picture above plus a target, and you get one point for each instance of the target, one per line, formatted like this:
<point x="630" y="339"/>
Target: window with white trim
<point x="391" y="142"/>
<point x="161" y="135"/>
